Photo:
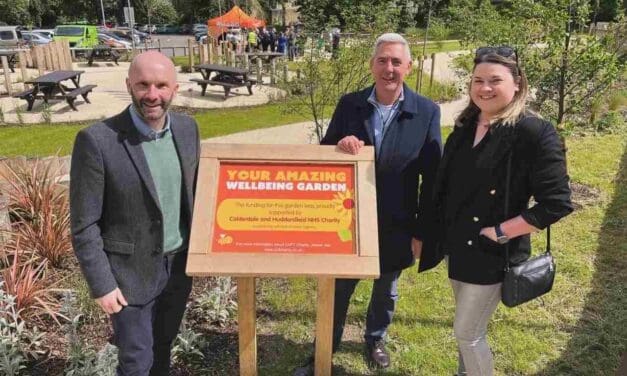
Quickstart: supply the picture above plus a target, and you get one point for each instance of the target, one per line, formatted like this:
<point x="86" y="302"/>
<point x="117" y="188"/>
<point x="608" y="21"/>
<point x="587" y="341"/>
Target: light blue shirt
<point x="144" y="129"/>
<point x="382" y="116"/>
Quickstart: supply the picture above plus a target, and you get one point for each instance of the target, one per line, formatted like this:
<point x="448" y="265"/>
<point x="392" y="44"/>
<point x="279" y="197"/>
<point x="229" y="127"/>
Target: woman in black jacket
<point x="470" y="196"/>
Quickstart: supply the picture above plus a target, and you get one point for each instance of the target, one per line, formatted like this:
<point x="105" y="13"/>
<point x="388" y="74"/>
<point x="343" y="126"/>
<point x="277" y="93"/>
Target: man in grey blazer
<point x="131" y="192"/>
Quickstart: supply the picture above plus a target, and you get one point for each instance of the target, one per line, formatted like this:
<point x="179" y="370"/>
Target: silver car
<point x="34" y="39"/>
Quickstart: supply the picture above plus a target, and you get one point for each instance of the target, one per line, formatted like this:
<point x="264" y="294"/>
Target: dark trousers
<point x="380" y="309"/>
<point x="144" y="333"/>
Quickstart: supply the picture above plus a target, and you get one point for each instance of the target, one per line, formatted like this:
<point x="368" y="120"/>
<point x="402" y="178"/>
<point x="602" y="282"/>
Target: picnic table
<point x="103" y="53"/>
<point x="50" y="86"/>
<point x="11" y="57"/>
<point x="225" y="76"/>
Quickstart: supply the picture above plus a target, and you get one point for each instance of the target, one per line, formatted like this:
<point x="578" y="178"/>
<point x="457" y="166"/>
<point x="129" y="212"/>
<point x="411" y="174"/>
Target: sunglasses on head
<point x="503" y="51"/>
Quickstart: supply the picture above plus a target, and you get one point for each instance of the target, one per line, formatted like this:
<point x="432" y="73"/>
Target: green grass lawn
<point x="580" y="328"/>
<point x="44" y="140"/>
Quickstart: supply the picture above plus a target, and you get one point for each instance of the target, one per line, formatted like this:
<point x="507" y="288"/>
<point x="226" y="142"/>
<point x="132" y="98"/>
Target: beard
<point x="139" y="106"/>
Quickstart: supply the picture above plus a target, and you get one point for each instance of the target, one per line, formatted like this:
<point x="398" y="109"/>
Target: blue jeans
<point x="380" y="309"/>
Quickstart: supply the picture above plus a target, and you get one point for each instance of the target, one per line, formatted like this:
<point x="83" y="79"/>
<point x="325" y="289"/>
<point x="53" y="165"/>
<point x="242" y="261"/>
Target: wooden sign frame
<point x="364" y="263"/>
<point x="246" y="266"/>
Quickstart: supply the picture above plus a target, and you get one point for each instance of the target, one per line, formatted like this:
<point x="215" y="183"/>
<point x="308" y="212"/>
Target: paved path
<point x="111" y="97"/>
<point x="303" y="133"/>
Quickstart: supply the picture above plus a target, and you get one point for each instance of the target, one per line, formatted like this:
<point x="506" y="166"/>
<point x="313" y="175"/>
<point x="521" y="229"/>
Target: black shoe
<point x="377" y="355"/>
<point x="306" y="369"/>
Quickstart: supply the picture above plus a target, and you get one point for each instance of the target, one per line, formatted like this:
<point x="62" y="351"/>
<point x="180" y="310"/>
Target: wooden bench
<point x="82" y="91"/>
<point x="227" y="84"/>
<point x="28" y="96"/>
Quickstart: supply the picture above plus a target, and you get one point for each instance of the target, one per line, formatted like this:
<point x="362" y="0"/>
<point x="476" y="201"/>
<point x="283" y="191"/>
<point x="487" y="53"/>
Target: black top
<point x="469" y="194"/>
<point x="468" y="262"/>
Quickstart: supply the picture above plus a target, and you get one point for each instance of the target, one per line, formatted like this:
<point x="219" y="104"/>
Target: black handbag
<point x="529" y="279"/>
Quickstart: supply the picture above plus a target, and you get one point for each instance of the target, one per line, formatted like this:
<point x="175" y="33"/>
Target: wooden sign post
<point x="284" y="211"/>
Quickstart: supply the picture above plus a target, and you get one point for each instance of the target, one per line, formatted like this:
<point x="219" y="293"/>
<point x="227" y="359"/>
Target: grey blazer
<point x="115" y="215"/>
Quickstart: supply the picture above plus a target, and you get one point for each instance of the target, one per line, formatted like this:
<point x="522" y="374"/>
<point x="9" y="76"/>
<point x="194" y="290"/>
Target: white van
<point x="10" y="37"/>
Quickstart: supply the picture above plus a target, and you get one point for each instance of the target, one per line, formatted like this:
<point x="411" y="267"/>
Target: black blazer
<point x="410" y="153"/>
<point x="538" y="169"/>
<point x="116" y="219"/>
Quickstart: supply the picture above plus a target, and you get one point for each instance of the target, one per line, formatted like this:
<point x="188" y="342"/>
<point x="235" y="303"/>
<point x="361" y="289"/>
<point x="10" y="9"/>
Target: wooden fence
<point x="55" y="55"/>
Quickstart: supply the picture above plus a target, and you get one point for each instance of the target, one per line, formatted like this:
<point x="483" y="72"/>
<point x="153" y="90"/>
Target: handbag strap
<point x="508" y="175"/>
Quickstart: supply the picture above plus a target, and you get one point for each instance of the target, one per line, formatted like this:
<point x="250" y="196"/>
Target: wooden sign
<point x="281" y="211"/>
<point x="284" y="210"/>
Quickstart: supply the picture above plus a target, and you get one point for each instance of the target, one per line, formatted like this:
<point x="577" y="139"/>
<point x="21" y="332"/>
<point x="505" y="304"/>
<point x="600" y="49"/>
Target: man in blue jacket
<point x="404" y="127"/>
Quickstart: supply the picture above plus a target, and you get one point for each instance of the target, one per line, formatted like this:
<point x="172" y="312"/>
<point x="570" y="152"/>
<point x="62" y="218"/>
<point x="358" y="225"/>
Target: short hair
<point x="391" y="38"/>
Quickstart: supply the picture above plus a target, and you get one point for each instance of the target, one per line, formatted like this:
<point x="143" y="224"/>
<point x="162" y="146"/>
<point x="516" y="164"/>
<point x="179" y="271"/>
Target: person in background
<point x="494" y="133"/>
<point x="291" y="43"/>
<point x="335" y="42"/>
<point x="404" y="128"/>
<point x="264" y="36"/>
<point x="272" y="39"/>
<point x="131" y="197"/>
<point x="282" y="43"/>
<point x="252" y="41"/>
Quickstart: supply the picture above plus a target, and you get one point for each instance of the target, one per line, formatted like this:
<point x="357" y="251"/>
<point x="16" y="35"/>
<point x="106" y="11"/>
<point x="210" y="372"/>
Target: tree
<point x="15" y="12"/>
<point x="607" y="10"/>
<point x="324" y="81"/>
<point x="154" y="11"/>
<point x="349" y="15"/>
<point x="568" y="70"/>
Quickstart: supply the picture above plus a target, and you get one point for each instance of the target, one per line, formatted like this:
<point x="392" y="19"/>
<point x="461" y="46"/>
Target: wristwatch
<point x="501" y="238"/>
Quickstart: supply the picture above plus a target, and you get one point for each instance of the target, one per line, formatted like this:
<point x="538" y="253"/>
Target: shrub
<point x="48" y="234"/>
<point x="218" y="305"/>
<point x="83" y="360"/>
<point x="39" y="208"/>
<point x="18" y="343"/>
<point x="25" y="280"/>
<point x="611" y="122"/>
<point x="187" y="348"/>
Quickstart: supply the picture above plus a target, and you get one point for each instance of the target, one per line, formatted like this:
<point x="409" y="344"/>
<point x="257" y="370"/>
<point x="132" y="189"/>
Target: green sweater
<point x="165" y="169"/>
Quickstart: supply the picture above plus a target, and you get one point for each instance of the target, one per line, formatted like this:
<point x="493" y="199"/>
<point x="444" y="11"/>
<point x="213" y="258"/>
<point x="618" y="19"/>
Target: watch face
<point x="502" y="239"/>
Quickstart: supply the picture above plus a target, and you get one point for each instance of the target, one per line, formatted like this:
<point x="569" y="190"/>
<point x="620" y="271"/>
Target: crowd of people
<point x="267" y="39"/>
<point x="132" y="190"/>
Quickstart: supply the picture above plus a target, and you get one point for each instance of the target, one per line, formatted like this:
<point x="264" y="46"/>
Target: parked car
<point x="199" y="28"/>
<point x="125" y="32"/>
<point x="185" y="29"/>
<point x="200" y="35"/>
<point x="82" y="36"/>
<point x="48" y="33"/>
<point x="112" y="42"/>
<point x="10" y="37"/>
<point x="168" y="29"/>
<point x="34" y="39"/>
